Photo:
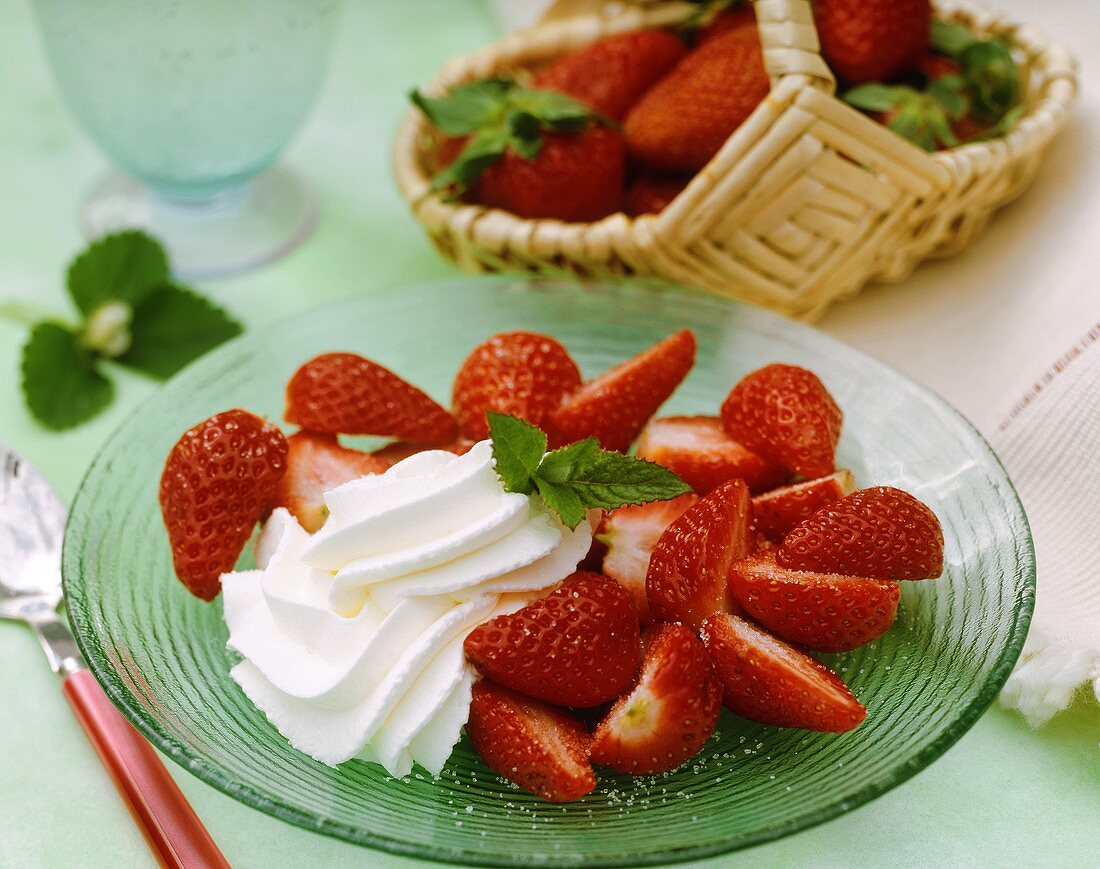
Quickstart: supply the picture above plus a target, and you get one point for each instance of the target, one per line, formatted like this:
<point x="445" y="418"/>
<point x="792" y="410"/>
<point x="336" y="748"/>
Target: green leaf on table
<point x="172" y="327"/>
<point x="61" y="384"/>
<point x="518" y="447"/>
<point x="125" y="267"/>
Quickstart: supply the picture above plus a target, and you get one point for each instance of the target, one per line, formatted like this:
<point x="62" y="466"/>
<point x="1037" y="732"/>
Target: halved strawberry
<point x="671" y="711"/>
<point x="688" y="577"/>
<point x="776" y="512"/>
<point x="880" y="532"/>
<point x="316" y="463"/>
<point x="521" y="373"/>
<point x="578" y="646"/>
<point x="630" y="533"/>
<point x="216" y="485"/>
<point x="766" y="680"/>
<point x="341" y="393"/>
<point x="397" y="451"/>
<point x="823" y="611"/>
<point x="698" y="450"/>
<point x="542" y="749"/>
<point x="615" y="406"/>
<point x="785" y="413"/>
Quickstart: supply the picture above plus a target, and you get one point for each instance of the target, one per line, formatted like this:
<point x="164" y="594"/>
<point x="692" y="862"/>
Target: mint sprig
<point x="575" y="478"/>
<point x="130" y="313"/>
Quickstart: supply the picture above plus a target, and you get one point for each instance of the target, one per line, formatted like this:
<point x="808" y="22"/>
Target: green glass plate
<point x="160" y="653"/>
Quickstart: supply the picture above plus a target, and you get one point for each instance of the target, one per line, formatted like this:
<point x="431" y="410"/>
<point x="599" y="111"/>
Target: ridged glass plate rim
<point x="195" y="763"/>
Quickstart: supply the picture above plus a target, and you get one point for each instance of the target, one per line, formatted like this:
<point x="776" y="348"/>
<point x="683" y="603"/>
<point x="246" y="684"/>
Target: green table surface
<point x="1004" y="795"/>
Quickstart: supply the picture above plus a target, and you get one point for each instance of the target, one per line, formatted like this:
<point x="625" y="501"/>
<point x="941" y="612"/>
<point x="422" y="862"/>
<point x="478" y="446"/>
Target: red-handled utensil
<point x="32" y="522"/>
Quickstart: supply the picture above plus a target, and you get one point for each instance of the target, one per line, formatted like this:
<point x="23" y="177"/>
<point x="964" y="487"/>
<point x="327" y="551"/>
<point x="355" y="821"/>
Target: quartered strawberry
<point x="578" y="646"/>
<point x="397" y="451"/>
<point x="872" y="40"/>
<point x="684" y="119"/>
<point x="776" y="512"/>
<point x="610" y="74"/>
<point x="823" y="611"/>
<point x="615" y="406"/>
<point x="881" y="532"/>
<point x="217" y="484"/>
<point x="341" y="393"/>
<point x="671" y="711"/>
<point x="630" y="534"/>
<point x="688" y="577"/>
<point x="650" y="194"/>
<point x="519" y="373"/>
<point x="785" y="413"/>
<point x="698" y="450"/>
<point x="766" y="680"/>
<point x="542" y="749"/>
<point x="316" y="463"/>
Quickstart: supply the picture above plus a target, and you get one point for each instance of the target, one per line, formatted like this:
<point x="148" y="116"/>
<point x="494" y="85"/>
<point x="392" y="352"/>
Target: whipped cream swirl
<point x="351" y="638"/>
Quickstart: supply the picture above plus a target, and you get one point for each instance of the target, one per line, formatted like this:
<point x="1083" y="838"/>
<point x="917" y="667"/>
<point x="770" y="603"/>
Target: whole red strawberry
<point x="872" y="40"/>
<point x="579" y="646"/>
<point x="341" y="393"/>
<point x="698" y="450"/>
<point x="669" y="714"/>
<point x="739" y="17"/>
<point x="217" y="484"/>
<point x="682" y="122"/>
<point x="650" y="194"/>
<point x="688" y="577"/>
<point x="315" y="464"/>
<point x="539" y="747"/>
<point x="881" y="532"/>
<point x="615" y="406"/>
<point x="823" y="611"/>
<point x="519" y="373"/>
<point x="785" y="413"/>
<point x="767" y="680"/>
<point x="610" y="74"/>
<point x="776" y="512"/>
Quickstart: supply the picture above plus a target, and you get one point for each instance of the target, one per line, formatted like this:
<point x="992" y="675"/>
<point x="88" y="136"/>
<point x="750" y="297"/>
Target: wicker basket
<point x="806" y="202"/>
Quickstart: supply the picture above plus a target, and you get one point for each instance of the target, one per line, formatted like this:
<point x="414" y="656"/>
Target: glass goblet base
<point x="230" y="232"/>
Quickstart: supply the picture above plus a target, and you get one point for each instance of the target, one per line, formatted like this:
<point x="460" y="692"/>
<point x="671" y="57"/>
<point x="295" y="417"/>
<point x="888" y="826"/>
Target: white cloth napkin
<point x="1050" y="444"/>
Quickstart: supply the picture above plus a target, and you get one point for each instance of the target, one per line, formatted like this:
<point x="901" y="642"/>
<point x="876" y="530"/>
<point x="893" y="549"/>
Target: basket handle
<point x="788" y="36"/>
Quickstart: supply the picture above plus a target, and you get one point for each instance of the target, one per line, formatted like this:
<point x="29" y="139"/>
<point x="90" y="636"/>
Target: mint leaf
<point x="565" y="464"/>
<point x="611" y="480"/>
<point x="172" y="327"/>
<point x="518" y="447"/>
<point x="61" y="385"/>
<point x="561" y="498"/>
<point x="125" y="266"/>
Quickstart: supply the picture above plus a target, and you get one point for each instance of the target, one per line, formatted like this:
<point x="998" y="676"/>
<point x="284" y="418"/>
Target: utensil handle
<point x="173" y="830"/>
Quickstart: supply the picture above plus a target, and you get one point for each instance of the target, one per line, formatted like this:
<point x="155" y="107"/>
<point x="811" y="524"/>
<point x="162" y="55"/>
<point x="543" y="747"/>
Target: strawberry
<point x="615" y="406"/>
<point x="881" y="532"/>
<point x="535" y="153"/>
<point x="341" y="393"/>
<point x="935" y="65"/>
<point x="786" y="414"/>
<point x="650" y="194"/>
<point x="630" y="533"/>
<point x="683" y="121"/>
<point x="216" y="485"/>
<point x="688" y="575"/>
<point x="316" y="463"/>
<point x="741" y="17"/>
<point x="610" y="74"/>
<point x="698" y="450"/>
<point x="397" y="451"/>
<point x="823" y="611"/>
<point x="766" y="680"/>
<point x="542" y="749"/>
<point x="776" y="512"/>
<point x="521" y="373"/>
<point x="578" y="646"/>
<point x="671" y="711"/>
<point x="872" y="40"/>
